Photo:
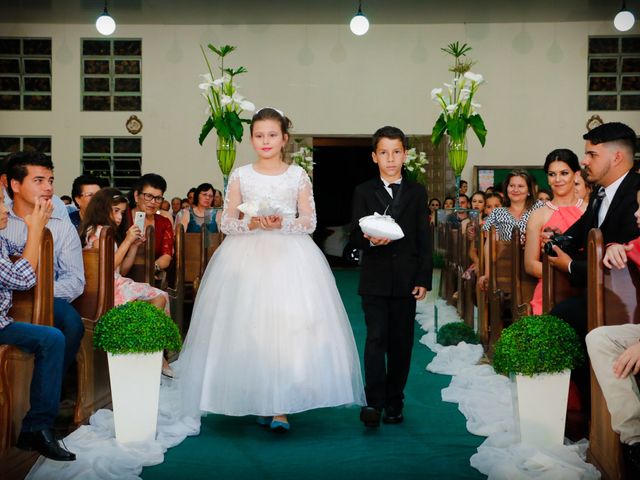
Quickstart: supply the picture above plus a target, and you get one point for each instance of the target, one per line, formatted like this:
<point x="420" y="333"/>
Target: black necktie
<point x="597" y="202"/>
<point x="394" y="188"/>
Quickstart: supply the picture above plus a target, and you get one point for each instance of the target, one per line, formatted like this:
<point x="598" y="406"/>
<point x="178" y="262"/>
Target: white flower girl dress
<point x="269" y="334"/>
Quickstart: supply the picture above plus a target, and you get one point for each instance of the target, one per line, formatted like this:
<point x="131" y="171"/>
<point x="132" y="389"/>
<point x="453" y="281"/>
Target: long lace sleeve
<point x="305" y="222"/>
<point x="230" y="223"/>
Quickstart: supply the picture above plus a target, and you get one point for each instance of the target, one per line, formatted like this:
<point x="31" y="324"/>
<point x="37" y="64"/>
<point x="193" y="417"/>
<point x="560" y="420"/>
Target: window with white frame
<point x="614" y="73"/>
<point x="111" y="75"/>
<point x="118" y="159"/>
<point x="25" y="73"/>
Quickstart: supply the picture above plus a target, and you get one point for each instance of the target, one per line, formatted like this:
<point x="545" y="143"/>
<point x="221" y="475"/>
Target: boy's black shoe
<point x="45" y="443"/>
<point x="392" y="416"/>
<point x="631" y="455"/>
<point x="370" y="417"/>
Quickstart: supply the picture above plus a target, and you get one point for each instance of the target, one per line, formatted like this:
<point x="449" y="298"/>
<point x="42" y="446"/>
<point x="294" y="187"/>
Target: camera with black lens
<point x="562" y="241"/>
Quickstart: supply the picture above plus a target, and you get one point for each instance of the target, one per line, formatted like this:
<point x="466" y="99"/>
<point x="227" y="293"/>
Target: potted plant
<point x="134" y="336"/>
<point x="456" y="332"/>
<point x="538" y="353"/>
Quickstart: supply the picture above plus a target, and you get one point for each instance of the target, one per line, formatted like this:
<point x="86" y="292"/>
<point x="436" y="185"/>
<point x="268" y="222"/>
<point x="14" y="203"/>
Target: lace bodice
<point x="291" y="190"/>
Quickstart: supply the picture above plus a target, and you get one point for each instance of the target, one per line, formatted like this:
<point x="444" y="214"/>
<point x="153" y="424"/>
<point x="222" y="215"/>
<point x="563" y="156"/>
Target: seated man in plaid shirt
<point x="46" y="343"/>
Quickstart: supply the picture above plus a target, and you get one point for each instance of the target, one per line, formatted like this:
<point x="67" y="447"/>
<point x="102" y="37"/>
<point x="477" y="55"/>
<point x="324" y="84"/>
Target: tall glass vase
<point x="226" y="153"/>
<point x="457" y="152"/>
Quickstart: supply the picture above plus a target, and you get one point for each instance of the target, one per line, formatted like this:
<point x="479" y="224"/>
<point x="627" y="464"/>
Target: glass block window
<point x="614" y="73"/>
<point x="111" y="75"/>
<point x="12" y="144"/>
<point x="25" y="73"/>
<point x="117" y="158"/>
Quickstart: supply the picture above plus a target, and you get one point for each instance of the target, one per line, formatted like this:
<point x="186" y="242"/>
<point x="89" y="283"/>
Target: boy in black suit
<point x="394" y="275"/>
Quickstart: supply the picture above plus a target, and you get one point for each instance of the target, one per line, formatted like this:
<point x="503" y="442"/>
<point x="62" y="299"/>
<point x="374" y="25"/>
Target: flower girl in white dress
<point x="269" y="335"/>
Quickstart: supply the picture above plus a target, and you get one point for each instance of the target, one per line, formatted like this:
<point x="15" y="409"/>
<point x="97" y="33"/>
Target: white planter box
<point x="540" y="407"/>
<point x="135" y="391"/>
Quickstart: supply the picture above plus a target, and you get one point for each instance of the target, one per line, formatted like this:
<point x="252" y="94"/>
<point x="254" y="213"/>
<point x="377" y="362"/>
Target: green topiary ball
<point x="537" y="344"/>
<point x="136" y="327"/>
<point x="456" y="332"/>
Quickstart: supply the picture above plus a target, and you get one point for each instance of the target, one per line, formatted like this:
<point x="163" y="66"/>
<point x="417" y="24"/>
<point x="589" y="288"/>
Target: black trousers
<point x="387" y="352"/>
<point x="573" y="310"/>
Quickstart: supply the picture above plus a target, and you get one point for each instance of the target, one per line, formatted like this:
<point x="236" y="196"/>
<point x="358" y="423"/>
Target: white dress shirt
<point x="609" y="193"/>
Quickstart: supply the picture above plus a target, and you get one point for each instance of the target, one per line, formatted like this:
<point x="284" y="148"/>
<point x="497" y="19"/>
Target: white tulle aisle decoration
<point x="100" y="456"/>
<point x="485" y="399"/>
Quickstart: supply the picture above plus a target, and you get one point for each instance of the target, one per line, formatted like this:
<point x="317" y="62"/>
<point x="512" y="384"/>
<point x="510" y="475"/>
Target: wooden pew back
<point x="619" y="291"/>
<point x="522" y="284"/>
<point x="500" y="269"/>
<point x="143" y="268"/>
<point x="16" y="367"/>
<point x="94" y="391"/>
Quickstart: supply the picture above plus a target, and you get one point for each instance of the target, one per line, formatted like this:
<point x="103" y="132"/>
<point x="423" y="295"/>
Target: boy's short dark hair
<point x="81" y="181"/>
<point x="463" y="182"/>
<point x="613" y="132"/>
<point x="152" y="180"/>
<point x="393" y="133"/>
<point x="17" y="163"/>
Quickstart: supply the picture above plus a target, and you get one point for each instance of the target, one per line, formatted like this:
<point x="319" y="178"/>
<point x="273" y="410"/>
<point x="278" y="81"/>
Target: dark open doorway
<point x="340" y="164"/>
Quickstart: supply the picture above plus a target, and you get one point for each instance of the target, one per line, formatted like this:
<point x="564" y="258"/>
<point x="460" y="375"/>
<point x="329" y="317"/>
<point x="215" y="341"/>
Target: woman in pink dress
<point x="560" y="166"/>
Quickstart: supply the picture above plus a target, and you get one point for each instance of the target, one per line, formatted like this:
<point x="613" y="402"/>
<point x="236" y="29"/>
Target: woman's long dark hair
<point x="99" y="213"/>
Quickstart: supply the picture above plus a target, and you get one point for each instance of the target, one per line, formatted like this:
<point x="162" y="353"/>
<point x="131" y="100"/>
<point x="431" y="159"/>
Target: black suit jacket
<point x="619" y="226"/>
<point x="394" y="269"/>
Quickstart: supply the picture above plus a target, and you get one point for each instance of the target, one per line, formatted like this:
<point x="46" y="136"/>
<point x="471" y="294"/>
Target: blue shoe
<point x="264" y="421"/>
<point x="278" y="426"/>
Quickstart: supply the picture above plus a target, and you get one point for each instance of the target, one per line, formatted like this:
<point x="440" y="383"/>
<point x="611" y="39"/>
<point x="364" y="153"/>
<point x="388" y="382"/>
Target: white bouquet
<point x="261" y="208"/>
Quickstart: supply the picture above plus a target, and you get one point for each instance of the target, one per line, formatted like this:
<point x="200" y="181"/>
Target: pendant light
<point x="359" y="24"/>
<point x="105" y="24"/>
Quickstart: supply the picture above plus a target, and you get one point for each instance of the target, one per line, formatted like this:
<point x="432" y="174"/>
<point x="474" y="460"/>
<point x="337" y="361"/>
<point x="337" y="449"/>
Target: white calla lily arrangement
<point x="459" y="111"/>
<point x="224" y="103"/>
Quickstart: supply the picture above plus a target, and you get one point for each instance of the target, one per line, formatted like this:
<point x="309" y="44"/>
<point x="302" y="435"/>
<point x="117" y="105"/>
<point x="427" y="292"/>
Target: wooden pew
<point x="16" y="367"/>
<point x="450" y="271"/>
<point x="211" y="241"/>
<point x="555" y="286"/>
<point x="482" y="296"/>
<point x="143" y="268"/>
<point x="499" y="288"/>
<point x="176" y="288"/>
<point x="619" y="290"/>
<point x="522" y="284"/>
<point x="461" y="263"/>
<point x="94" y="391"/>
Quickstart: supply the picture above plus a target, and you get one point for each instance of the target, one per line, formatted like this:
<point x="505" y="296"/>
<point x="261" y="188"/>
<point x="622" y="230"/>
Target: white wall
<point x="329" y="82"/>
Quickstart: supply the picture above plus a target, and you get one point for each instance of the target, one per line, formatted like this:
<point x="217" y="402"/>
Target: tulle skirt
<point x="269" y="333"/>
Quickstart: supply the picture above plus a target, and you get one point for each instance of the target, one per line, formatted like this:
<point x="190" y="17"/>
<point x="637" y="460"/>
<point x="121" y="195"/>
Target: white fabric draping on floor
<point x="100" y="456"/>
<point x="485" y="399"/>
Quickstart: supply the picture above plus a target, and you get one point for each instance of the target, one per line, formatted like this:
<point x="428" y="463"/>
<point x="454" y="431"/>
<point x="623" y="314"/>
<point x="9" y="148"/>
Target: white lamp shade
<point x="624" y="20"/>
<point x="105" y="24"/>
<point x="359" y="24"/>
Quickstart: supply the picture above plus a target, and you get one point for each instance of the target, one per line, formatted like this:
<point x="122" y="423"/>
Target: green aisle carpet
<point x="332" y="443"/>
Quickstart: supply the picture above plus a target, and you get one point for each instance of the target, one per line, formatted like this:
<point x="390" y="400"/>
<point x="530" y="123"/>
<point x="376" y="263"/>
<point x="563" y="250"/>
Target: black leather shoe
<point x="631" y="455"/>
<point x="45" y="443"/>
<point x="392" y="416"/>
<point x="370" y="417"/>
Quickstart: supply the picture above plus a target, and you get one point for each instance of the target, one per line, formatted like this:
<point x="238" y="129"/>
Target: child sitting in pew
<point x="108" y="208"/>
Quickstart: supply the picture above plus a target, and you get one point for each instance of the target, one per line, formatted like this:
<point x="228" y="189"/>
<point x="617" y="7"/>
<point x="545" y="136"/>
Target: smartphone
<point x="139" y="221"/>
